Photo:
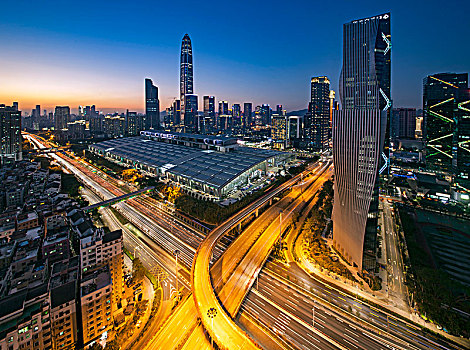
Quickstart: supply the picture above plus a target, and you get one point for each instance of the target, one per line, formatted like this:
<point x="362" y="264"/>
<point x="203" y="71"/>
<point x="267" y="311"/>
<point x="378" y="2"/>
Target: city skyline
<point x="105" y="66"/>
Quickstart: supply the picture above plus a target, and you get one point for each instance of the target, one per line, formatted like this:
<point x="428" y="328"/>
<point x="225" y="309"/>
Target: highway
<point x="223" y="330"/>
<point x="170" y="337"/>
<point x="395" y="277"/>
<point x="284" y="280"/>
<point x="183" y="326"/>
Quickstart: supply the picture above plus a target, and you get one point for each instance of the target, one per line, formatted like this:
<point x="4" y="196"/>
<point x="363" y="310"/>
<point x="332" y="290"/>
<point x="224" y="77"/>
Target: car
<point x="137" y="291"/>
<point x="439" y="327"/>
<point x="139" y="323"/>
<point x="136" y="286"/>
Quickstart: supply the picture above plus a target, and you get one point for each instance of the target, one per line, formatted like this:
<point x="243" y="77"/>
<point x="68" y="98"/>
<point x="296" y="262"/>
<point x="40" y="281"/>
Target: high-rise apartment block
<point x="360" y="137"/>
<point x="10" y="134"/>
<point x="61" y="117"/>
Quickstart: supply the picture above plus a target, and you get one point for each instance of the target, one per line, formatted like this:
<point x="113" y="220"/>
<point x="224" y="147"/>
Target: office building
<point x="265" y="114"/>
<point x="191" y="120"/>
<point x="316" y="121"/>
<point x="223" y="107"/>
<point x="224" y="122"/>
<point x="279" y="129"/>
<point x="279" y="109"/>
<point x="248" y="114"/>
<point x="61" y="117"/>
<point x="294" y="130"/>
<point x="186" y="76"/>
<point x="403" y="123"/>
<point x="360" y="138"/>
<point x="177" y="112"/>
<point x="10" y="134"/>
<point x="236" y="114"/>
<point x="209" y="111"/>
<point x="152" y="106"/>
<point x="446" y="106"/>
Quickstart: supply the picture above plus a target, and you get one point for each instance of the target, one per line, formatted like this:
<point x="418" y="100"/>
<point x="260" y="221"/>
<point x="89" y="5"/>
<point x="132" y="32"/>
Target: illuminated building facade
<point x="10" y="133"/>
<point x="316" y="121"/>
<point x="248" y="114"/>
<point x="360" y="137"/>
<point x="209" y="111"/>
<point x="446" y="106"/>
<point x="186" y="77"/>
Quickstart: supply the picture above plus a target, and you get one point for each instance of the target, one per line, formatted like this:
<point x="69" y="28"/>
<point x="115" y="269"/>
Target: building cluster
<point x="372" y="140"/>
<point x="60" y="276"/>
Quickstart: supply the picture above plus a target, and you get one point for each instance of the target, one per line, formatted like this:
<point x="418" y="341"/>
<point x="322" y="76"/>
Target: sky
<point x="99" y="52"/>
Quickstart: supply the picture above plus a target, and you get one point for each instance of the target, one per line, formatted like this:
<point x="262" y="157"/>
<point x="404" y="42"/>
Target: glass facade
<point x="152" y="106"/>
<point x="316" y="121"/>
<point x="446" y="106"/>
<point x="186" y="77"/>
<point x="361" y="137"/>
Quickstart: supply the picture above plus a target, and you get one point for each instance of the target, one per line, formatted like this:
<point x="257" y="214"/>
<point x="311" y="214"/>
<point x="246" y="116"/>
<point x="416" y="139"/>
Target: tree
<point x="138" y="270"/>
<point x="112" y="345"/>
<point x="131" y="175"/>
<point x="96" y="346"/>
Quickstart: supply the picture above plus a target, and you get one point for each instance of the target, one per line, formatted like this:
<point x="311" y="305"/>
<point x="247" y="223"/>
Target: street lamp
<point x="176" y="274"/>
<point x="211" y="313"/>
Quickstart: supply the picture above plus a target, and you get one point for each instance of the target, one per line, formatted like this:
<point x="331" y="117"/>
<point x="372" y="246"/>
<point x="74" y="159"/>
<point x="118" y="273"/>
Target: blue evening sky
<point x="97" y="52"/>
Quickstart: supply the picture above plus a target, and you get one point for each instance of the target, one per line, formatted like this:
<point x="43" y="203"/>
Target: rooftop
<point x="211" y="167"/>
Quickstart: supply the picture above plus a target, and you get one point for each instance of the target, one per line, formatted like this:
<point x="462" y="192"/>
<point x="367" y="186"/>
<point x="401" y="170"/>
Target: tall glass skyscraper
<point x="209" y="112"/>
<point x="360" y="137"/>
<point x="316" y="121"/>
<point x="152" y="106"/>
<point x="446" y="106"/>
<point x="247" y="114"/>
<point x="186" y="79"/>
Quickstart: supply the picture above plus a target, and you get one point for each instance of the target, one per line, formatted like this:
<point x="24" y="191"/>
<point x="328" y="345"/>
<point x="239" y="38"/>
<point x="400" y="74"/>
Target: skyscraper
<point x="186" y="76"/>
<point x="446" y="104"/>
<point x="247" y="114"/>
<point x="360" y="137"/>
<point x="403" y="123"/>
<point x="265" y="114"/>
<point x="209" y="111"/>
<point x="152" y="106"/>
<point x="316" y="122"/>
<point x="223" y="107"/>
<point x="61" y="117"/>
<point x="176" y="112"/>
<point x="236" y="114"/>
<point x="191" y="120"/>
<point x="10" y="133"/>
